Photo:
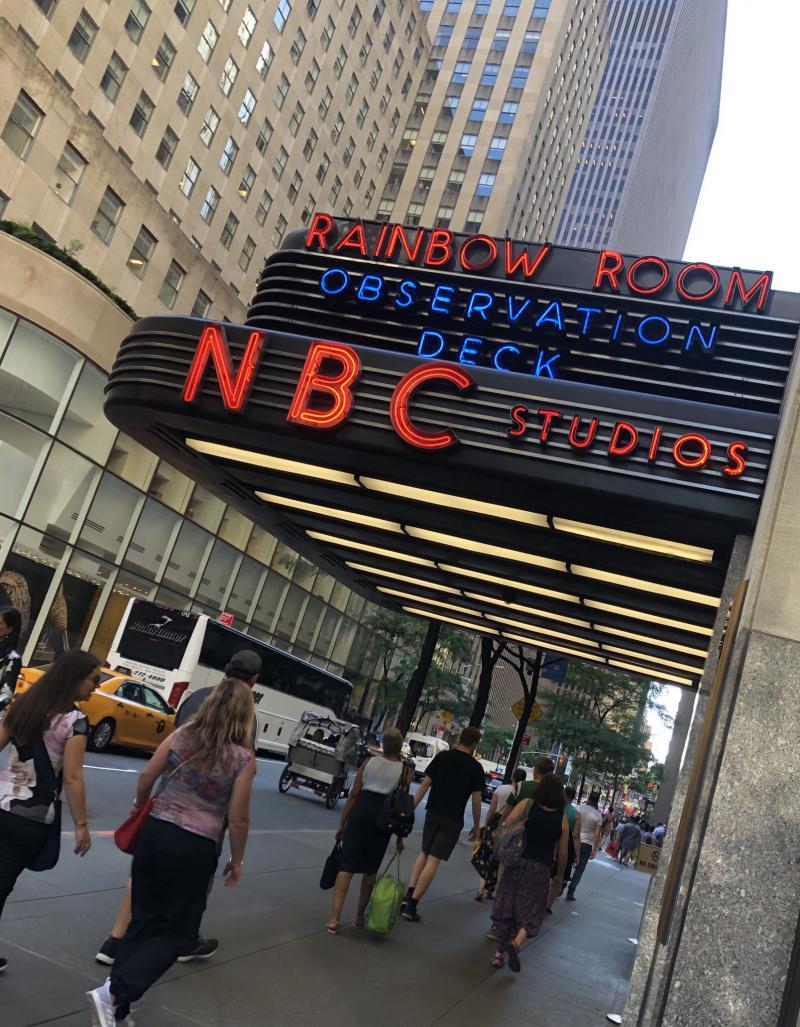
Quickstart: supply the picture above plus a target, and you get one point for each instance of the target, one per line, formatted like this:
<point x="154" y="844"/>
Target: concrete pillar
<point x="672" y="764"/>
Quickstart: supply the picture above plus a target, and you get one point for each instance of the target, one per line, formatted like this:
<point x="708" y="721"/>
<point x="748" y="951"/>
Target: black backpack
<point x="397" y="813"/>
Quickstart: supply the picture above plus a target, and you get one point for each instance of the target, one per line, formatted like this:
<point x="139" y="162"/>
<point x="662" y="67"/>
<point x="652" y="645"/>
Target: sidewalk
<point x="276" y="965"/>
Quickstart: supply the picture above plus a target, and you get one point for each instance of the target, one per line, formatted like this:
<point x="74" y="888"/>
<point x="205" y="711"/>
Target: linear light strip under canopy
<point x="614" y="536"/>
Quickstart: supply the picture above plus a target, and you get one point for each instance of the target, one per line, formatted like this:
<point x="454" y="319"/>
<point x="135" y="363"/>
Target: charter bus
<point x="176" y="652"/>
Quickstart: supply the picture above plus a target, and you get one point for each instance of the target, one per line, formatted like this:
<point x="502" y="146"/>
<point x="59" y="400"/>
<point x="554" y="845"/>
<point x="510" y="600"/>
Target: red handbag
<point x="127" y="834"/>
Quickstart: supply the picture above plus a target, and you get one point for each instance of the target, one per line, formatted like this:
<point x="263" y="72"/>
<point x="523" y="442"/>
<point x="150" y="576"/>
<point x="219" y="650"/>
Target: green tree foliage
<point x="496" y="741"/>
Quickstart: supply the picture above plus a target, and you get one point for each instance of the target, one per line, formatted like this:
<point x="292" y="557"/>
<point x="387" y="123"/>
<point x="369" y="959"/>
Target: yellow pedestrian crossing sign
<point x="518" y="708"/>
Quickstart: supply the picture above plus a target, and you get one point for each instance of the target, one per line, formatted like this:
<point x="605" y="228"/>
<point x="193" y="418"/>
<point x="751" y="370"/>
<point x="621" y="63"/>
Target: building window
<point x="263" y="207"/>
<point x="485" y="185"/>
<point x="107" y="217"/>
<point x="338" y="125"/>
<point x="142" y="112"/>
<point x="142" y="251"/>
<point x="113" y="76"/>
<point x="188" y="93"/>
<point x="209" y="126"/>
<point x="278" y="230"/>
<point x="281" y="91"/>
<point x="201" y="305"/>
<point x="497" y="147"/>
<point x="361" y="114"/>
<point x="530" y="42"/>
<point x="189" y="177"/>
<point x="347" y="207"/>
<point x="171" y="286"/>
<point x="355" y="21"/>
<point x="473" y="222"/>
<point x="229" y="230"/>
<point x="229" y="155"/>
<point x="339" y="63"/>
<point x="264" y="136"/>
<point x="282" y="13"/>
<point x="295" y="186"/>
<point x="411" y="24"/>
<point x="208" y="41"/>
<point x="375" y="77"/>
<point x="489" y="74"/>
<point x="358" y="177"/>
<point x="349" y="150"/>
<point x="325" y="103"/>
<point x="377" y="13"/>
<point x="247" y="182"/>
<point x="248" y="106"/>
<point x="296" y="119"/>
<point x="382" y="157"/>
<point x="540" y="9"/>
<point x="279" y="164"/>
<point x="426" y="176"/>
<point x="394" y="122"/>
<point x="247" y="27"/>
<point x="312" y="75"/>
<point x="520" y="76"/>
<point x="322" y="170"/>
<point x="352" y="87"/>
<point x="443" y="217"/>
<point x="227" y="79"/>
<point x="500" y="41"/>
<point x="209" y="205"/>
<point x="68" y="174"/>
<point x="478" y="110"/>
<point x="166" y="148"/>
<point x="46" y="6"/>
<point x="482" y="7"/>
<point x="326" y="35"/>
<point x="137" y="18"/>
<point x="508" y="113"/>
<point x="336" y="188"/>
<point x="385" y="208"/>
<point x="386" y="98"/>
<point x="310" y="144"/>
<point x="264" y="60"/>
<point x="409" y="139"/>
<point x="312" y="6"/>
<point x="471" y="39"/>
<point x="246" y="255"/>
<point x="82" y="36"/>
<point x="297" y="47"/>
<point x="372" y="138"/>
<point x="165" y="55"/>
<point x="461" y="72"/>
<point x="308" y="210"/>
<point x="415" y="212"/>
<point x="366" y="50"/>
<point x="388" y="39"/>
<point x="450" y="105"/>
<point x="23" y="123"/>
<point x="467" y="145"/>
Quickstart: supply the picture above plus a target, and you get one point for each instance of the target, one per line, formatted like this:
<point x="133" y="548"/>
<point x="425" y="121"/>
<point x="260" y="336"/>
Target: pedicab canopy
<point x="550" y="444"/>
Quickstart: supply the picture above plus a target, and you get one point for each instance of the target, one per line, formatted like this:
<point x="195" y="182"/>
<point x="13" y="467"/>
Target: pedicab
<point x="323" y="754"/>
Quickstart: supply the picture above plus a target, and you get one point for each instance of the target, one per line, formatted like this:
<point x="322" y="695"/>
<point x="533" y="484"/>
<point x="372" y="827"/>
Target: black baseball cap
<point x="245" y="663"/>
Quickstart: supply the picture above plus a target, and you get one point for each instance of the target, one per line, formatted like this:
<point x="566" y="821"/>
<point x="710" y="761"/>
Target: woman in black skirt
<point x="363" y="842"/>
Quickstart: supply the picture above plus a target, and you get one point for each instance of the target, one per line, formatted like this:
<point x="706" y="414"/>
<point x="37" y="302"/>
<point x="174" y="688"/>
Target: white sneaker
<point x="101" y="1006"/>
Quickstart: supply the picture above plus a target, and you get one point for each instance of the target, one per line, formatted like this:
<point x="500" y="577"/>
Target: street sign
<point x="518" y="708"/>
<point x="647" y="858"/>
<point x="226" y="618"/>
<point x="526" y="739"/>
<point x="447" y="717"/>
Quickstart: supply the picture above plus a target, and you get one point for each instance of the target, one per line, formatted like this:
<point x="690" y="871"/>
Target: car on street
<point x="123" y="711"/>
<point x="493" y="777"/>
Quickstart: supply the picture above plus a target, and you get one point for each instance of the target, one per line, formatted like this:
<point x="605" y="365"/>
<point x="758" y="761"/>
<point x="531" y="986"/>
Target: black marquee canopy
<point x="553" y="445"/>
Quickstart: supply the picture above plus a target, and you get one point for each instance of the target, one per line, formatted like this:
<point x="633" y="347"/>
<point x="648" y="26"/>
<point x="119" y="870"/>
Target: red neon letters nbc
<point x="403" y="394"/>
<point x="337" y="385"/>
<point x="213" y="344"/>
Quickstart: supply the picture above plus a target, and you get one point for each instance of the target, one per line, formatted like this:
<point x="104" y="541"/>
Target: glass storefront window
<point x="355" y="605"/>
<point x="21" y="449"/>
<point x="323" y="586"/>
<point x="61" y="494"/>
<point x="114" y="507"/>
<point x="290" y="612"/>
<point x="217" y="576"/>
<point x="151" y="539"/>
<point x="205" y="509"/>
<point x="235" y="528"/>
<point x="308" y="627"/>
<point x="73" y="606"/>
<point x="84" y="426"/>
<point x="344" y="642"/>
<point x="340" y="595"/>
<point x="261" y="545"/>
<point x="285" y="559"/>
<point x="26" y="577"/>
<point x="36" y="374"/>
<point x="7" y="322"/>
<point x="269" y="601"/>
<point x="176" y="600"/>
<point x="187" y="559"/>
<point x="304" y="573"/>
<point x="171" y="487"/>
<point x="330" y="622"/>
<point x="244" y="591"/>
<point x="131" y="461"/>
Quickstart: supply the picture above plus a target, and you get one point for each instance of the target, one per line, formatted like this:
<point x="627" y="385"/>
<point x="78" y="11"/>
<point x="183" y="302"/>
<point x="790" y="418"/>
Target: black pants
<point x="583" y="860"/>
<point x="20" y="842"/>
<point x="171" y="873"/>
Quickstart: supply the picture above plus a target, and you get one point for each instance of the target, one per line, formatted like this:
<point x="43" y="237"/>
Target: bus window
<point x="156" y="635"/>
<point x="219" y="645"/>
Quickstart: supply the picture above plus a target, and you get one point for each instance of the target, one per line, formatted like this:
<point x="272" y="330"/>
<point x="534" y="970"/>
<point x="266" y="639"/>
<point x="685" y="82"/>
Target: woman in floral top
<point x="46" y="714"/>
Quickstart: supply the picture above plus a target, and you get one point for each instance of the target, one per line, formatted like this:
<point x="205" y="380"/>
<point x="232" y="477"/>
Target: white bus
<point x="176" y="652"/>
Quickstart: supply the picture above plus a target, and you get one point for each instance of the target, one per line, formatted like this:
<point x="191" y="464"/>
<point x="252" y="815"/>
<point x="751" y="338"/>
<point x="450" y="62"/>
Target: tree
<point x="395" y="638"/>
<point x="527" y="669"/>
<point x="417" y="681"/>
<point x="496" y="741"/>
<point x="444" y="688"/>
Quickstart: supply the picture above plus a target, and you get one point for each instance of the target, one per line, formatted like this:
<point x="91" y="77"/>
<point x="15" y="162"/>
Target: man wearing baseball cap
<point x="244" y="666"/>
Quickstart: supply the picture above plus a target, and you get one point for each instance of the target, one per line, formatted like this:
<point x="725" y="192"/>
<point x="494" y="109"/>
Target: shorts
<point x="440" y="836"/>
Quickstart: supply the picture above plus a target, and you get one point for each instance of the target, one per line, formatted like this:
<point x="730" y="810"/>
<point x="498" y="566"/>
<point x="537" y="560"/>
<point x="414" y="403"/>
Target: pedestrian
<point x="483" y="858"/>
<point x="47" y="736"/>
<point x="521" y="901"/>
<point x="10" y="660"/>
<point x="364" y="843"/>
<point x="452" y="778"/>
<point x="629" y="837"/>
<point x="591" y="820"/>
<point x="208" y="767"/>
<point x="607" y="827"/>
<point x="573" y="847"/>
<point x="658" y="834"/>
<point x="244" y="666"/>
<point x="542" y="766"/>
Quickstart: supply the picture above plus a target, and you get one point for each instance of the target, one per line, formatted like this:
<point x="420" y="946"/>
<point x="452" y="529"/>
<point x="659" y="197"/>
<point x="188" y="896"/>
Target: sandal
<point x="332" y="926"/>
<point x="497" y="961"/>
<point x="479" y="894"/>
<point x="513" y="958"/>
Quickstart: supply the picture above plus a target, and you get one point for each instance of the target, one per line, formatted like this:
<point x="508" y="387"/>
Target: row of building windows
<point x="444" y="214"/>
<point x="470" y="39"/>
<point x="481" y="8"/>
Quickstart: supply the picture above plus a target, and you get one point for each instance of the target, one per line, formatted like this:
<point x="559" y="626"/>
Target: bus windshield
<point x="156" y="635"/>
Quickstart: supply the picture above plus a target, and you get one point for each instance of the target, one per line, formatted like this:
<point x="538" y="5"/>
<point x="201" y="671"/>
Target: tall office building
<point x="497" y="123"/>
<point x="649" y="136"/>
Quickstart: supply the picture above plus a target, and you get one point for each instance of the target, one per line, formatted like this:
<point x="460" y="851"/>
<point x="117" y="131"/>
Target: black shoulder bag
<point x="47" y="857"/>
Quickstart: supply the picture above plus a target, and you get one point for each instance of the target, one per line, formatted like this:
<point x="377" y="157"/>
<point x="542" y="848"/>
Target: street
<point x="277" y="965"/>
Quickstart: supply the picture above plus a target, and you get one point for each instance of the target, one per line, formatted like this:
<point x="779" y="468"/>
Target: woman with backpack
<point x="47" y="735"/>
<point x="364" y="840"/>
<point x="521" y="900"/>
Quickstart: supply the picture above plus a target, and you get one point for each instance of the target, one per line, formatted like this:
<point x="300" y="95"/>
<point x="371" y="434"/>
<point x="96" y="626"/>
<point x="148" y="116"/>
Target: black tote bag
<point x="47" y="857"/>
<point x="331" y="868"/>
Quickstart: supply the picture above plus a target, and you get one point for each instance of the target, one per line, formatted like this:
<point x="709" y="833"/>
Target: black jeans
<point x="583" y="859"/>
<point x="20" y="842"/>
<point x="171" y="873"/>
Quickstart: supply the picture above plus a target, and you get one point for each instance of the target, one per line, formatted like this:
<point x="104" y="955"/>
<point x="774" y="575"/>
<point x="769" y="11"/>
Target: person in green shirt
<point x="527" y="789"/>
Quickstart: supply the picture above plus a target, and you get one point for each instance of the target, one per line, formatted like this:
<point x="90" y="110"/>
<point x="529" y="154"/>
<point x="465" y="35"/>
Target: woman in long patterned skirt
<point x="521" y="900"/>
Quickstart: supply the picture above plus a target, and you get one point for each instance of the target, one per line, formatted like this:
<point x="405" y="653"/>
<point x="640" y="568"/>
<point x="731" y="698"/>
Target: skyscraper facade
<point x="649" y="136"/>
<point x="497" y="122"/>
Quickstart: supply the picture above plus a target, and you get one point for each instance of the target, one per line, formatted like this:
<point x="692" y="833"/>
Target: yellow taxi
<point x="122" y="711"/>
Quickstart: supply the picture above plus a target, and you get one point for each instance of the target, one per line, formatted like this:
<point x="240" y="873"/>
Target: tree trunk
<point x="417" y="682"/>
<point x="583" y="781"/>
<point x="364" y="696"/>
<point x="484" y="683"/>
<point x="614" y="792"/>
<point x="522" y="726"/>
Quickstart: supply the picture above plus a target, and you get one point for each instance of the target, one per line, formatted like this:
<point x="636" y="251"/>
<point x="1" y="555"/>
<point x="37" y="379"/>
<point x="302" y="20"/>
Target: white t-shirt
<point x="590" y="819"/>
<point x="502" y="793"/>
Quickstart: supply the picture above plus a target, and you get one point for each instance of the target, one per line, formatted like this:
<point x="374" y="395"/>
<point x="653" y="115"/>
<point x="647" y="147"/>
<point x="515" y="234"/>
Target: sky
<point x="748" y="213"/>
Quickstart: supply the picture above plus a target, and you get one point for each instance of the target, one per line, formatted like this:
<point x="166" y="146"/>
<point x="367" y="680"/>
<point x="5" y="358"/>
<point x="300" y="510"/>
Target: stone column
<point x="672" y="765"/>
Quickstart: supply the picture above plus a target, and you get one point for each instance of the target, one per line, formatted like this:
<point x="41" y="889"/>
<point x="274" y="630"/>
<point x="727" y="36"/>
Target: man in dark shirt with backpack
<point x="452" y="778"/>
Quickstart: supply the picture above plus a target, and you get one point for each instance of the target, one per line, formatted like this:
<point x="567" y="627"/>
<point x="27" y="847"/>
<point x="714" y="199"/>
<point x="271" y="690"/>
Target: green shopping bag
<point x="384" y="903"/>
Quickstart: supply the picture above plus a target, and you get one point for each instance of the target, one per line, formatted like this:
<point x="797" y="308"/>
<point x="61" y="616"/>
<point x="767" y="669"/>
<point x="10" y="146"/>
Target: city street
<point x="277" y="965"/>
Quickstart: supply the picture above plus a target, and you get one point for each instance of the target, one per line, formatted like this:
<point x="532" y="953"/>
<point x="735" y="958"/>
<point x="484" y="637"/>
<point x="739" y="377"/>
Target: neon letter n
<point x="213" y="344"/>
